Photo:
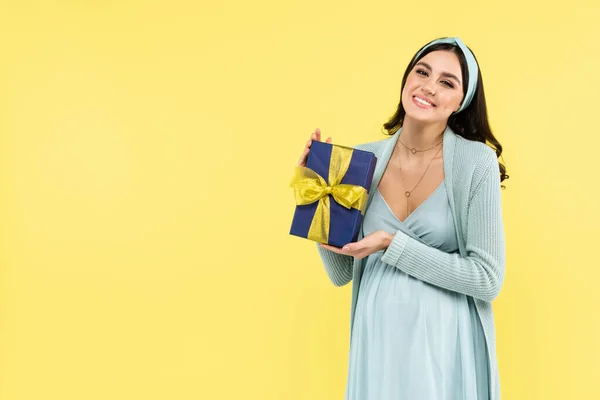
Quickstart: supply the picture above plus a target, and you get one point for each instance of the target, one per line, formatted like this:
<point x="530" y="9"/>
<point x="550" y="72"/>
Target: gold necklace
<point x="413" y="150"/>
<point x="408" y="192"/>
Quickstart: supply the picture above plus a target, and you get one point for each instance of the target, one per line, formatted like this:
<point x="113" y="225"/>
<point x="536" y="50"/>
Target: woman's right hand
<point x="315" y="136"/>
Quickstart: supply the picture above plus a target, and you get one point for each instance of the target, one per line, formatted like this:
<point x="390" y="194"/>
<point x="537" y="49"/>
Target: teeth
<point x="422" y="101"/>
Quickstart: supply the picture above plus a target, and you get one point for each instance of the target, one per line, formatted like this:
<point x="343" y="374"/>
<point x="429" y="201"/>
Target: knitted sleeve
<point x="480" y="273"/>
<point x="338" y="266"/>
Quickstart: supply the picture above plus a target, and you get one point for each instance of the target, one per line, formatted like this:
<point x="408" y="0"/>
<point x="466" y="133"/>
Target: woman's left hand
<point x="372" y="243"/>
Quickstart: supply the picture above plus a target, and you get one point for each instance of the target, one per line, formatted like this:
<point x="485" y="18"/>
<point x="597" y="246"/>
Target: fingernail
<point x="346" y="248"/>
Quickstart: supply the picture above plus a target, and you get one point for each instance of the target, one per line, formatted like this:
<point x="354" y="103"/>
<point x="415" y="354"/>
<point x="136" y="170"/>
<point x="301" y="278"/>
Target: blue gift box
<point x="344" y="223"/>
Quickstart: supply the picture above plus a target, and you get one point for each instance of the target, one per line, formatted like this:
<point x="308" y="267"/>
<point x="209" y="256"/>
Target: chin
<point x="419" y="115"/>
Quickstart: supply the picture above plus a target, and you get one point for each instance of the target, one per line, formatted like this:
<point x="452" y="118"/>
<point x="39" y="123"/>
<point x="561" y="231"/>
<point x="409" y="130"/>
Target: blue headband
<point x="473" y="69"/>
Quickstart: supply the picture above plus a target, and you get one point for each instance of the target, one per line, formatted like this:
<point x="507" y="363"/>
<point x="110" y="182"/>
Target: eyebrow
<point x="446" y="74"/>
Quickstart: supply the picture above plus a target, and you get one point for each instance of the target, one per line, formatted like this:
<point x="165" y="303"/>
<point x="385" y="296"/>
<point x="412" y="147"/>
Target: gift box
<point x="331" y="193"/>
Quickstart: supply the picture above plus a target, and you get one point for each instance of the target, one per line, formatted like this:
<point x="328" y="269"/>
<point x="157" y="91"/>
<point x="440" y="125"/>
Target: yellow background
<point x="146" y="150"/>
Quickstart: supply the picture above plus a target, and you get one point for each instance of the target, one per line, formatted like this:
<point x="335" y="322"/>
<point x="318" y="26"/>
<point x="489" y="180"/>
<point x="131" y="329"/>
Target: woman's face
<point x="434" y="87"/>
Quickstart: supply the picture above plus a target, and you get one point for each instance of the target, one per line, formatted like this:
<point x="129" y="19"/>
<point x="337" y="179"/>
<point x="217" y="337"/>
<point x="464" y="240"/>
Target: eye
<point x="448" y="84"/>
<point x="422" y="72"/>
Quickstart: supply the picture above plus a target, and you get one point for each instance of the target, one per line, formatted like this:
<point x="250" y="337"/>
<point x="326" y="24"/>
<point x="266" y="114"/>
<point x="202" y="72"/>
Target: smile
<point x="422" y="103"/>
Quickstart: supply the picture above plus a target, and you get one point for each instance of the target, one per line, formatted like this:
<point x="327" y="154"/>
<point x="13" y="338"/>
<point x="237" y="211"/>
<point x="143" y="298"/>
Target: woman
<point x="431" y="255"/>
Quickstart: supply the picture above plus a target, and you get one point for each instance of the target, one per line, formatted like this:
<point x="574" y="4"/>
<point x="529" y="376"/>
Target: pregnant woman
<point x="431" y="255"/>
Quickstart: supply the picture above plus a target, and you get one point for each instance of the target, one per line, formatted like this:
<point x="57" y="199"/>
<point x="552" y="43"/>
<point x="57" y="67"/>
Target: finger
<point x="318" y="133"/>
<point x="303" y="157"/>
<point x="337" y="250"/>
<point x="332" y="248"/>
<point x="328" y="140"/>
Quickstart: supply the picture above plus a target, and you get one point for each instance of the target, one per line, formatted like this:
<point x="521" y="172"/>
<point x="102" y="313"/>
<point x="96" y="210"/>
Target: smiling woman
<point x="431" y="255"/>
<point x="449" y="82"/>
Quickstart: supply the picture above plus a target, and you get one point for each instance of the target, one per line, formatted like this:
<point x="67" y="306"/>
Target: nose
<point x="427" y="88"/>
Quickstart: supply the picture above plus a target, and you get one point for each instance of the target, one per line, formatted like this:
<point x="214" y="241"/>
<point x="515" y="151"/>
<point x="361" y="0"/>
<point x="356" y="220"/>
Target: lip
<point x="423" y="105"/>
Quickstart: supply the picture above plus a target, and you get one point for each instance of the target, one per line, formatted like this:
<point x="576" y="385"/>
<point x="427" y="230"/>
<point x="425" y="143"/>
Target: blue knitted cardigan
<point x="473" y="185"/>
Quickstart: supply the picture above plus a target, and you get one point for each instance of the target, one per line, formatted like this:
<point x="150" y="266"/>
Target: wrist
<point x="387" y="239"/>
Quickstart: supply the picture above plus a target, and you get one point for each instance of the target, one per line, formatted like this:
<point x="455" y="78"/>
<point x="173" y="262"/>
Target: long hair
<point x="471" y="123"/>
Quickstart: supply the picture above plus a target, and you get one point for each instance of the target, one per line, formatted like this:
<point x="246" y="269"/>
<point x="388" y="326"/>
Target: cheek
<point x="458" y="100"/>
<point x="409" y="88"/>
<point x="452" y="101"/>
<point x="411" y="83"/>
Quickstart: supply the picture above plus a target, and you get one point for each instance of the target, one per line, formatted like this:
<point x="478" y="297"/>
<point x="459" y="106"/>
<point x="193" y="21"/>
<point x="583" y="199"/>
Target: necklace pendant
<point x="413" y="150"/>
<point x="407" y="194"/>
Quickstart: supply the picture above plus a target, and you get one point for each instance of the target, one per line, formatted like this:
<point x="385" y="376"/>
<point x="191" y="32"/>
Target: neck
<point x="422" y="135"/>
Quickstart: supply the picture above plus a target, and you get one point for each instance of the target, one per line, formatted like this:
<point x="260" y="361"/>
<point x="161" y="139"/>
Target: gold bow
<point x="310" y="187"/>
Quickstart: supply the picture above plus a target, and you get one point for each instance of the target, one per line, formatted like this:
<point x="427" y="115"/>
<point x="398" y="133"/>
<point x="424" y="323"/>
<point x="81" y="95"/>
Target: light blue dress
<point x="412" y="340"/>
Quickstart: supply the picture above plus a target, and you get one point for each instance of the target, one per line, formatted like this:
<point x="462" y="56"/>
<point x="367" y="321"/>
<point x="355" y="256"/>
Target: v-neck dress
<point x="412" y="340"/>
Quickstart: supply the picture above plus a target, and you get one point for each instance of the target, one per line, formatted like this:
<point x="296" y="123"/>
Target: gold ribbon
<point x="310" y="187"/>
